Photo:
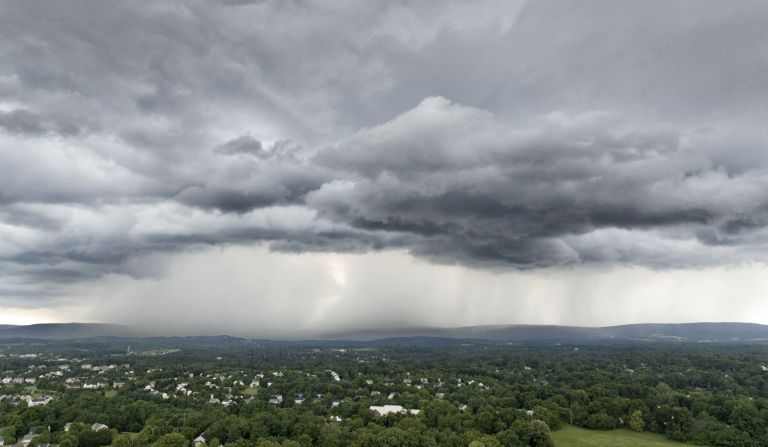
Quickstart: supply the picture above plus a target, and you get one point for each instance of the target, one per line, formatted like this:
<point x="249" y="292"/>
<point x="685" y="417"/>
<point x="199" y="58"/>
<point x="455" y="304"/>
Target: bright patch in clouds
<point x="278" y="294"/>
<point x="10" y="315"/>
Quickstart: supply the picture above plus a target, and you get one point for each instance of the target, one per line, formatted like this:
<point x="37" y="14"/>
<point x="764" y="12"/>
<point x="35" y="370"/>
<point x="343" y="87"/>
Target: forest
<point x="98" y="393"/>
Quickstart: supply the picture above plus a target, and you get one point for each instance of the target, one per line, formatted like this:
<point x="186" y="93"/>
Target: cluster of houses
<point x="85" y="375"/>
<point x="18" y="380"/>
<point x="28" y="398"/>
<point x="30" y="436"/>
<point x="221" y="388"/>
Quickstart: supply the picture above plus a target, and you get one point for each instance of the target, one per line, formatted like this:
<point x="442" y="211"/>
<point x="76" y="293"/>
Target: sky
<point x="291" y="168"/>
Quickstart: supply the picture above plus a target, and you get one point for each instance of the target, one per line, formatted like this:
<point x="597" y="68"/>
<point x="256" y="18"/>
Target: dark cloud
<point x="499" y="134"/>
<point x="478" y="190"/>
<point x="244" y="144"/>
<point x="26" y="123"/>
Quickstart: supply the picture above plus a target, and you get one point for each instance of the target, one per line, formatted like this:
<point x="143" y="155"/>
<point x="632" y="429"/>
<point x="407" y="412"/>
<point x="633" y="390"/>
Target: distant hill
<point x="688" y="332"/>
<point x="695" y="332"/>
<point x="64" y="331"/>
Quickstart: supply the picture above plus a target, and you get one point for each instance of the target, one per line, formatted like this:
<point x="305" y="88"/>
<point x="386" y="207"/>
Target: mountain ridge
<point x="692" y="332"/>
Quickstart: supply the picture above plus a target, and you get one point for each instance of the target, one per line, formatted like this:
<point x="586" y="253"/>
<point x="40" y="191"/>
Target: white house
<point x="384" y="410"/>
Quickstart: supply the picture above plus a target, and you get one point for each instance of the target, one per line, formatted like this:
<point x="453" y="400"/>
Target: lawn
<point x="571" y="436"/>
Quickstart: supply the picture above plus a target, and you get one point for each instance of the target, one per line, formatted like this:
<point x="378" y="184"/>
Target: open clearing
<point x="571" y="436"/>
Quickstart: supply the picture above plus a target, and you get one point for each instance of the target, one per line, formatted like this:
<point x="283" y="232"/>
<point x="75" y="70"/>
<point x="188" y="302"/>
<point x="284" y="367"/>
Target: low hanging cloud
<point x="497" y="136"/>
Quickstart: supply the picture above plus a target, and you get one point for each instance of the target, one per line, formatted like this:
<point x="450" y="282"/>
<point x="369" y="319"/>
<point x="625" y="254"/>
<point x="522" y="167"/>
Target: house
<point x="27" y="438"/>
<point x="384" y="410"/>
<point x="199" y="441"/>
<point x="67" y="426"/>
<point x="276" y="400"/>
<point x="99" y="427"/>
<point x="43" y="401"/>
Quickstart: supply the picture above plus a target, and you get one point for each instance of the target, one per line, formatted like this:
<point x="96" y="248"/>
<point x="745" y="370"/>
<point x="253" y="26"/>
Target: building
<point x="99" y="427"/>
<point x="384" y="410"/>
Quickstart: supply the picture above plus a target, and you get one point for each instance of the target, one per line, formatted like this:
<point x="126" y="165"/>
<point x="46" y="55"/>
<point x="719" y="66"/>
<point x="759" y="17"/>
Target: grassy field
<point x="578" y="437"/>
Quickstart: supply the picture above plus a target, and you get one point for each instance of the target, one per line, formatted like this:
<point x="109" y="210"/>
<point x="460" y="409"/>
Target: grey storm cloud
<point x="244" y="144"/>
<point x="26" y="123"/>
<point x="479" y="190"/>
<point x="500" y="134"/>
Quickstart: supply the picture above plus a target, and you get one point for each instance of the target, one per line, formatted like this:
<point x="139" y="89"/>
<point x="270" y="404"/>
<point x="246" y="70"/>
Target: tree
<point x="172" y="440"/>
<point x="746" y="417"/>
<point x="680" y="424"/>
<point x="600" y="421"/>
<point x="330" y="436"/>
<point x="9" y="433"/>
<point x="67" y="440"/>
<point x="125" y="440"/>
<point x="636" y="421"/>
<point x="508" y="438"/>
<point x="539" y="435"/>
